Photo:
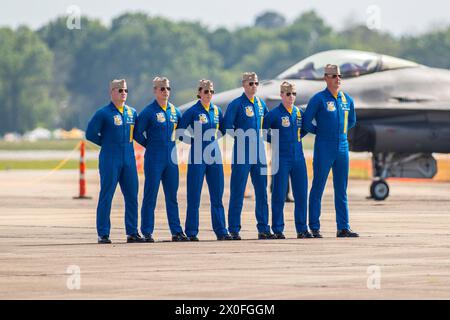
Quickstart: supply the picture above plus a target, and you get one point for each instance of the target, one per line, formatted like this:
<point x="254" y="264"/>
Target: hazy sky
<point x="398" y="17"/>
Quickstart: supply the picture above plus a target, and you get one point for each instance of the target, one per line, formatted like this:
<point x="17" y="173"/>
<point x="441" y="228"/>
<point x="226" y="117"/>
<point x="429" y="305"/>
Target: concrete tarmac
<point x="47" y="239"/>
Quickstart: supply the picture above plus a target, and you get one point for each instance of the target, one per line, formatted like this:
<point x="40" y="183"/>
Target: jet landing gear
<point x="400" y="165"/>
<point x="381" y="163"/>
<point x="379" y="190"/>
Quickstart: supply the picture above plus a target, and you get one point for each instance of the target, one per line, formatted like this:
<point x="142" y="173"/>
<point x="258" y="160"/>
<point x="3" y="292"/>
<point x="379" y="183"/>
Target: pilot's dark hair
<point x="199" y="90"/>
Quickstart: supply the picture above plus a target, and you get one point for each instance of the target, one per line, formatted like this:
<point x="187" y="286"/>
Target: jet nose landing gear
<point x="379" y="190"/>
<point x="399" y="165"/>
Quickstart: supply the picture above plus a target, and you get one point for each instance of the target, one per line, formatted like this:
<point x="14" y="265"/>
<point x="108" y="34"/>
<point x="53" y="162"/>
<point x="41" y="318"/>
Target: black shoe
<point x="279" y="236"/>
<point x="148" y="237"/>
<point x="223" y="237"/>
<point x="346" y="233"/>
<point x="104" y="240"/>
<point x="179" y="237"/>
<point x="304" y="235"/>
<point x="265" y="236"/>
<point x="316" y="234"/>
<point x="235" y="236"/>
<point x="193" y="238"/>
<point x="135" y="238"/>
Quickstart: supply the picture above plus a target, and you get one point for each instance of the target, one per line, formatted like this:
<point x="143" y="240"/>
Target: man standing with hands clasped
<point x="155" y="130"/>
<point x="203" y="122"/>
<point x="244" y="121"/>
<point x="334" y="114"/>
<point x="287" y="156"/>
<point x="112" y="128"/>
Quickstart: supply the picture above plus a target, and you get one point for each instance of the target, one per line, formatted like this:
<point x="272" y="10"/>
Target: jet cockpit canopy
<point x="353" y="63"/>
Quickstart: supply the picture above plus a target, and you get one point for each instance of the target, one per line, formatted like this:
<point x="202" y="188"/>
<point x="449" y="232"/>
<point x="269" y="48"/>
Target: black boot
<point x="104" y="240"/>
<point x="304" y="235"/>
<point x="316" y="234"/>
<point x="223" y="237"/>
<point x="148" y="237"/>
<point x="265" y="236"/>
<point x="235" y="236"/>
<point x="179" y="237"/>
<point x="346" y="233"/>
<point x="135" y="238"/>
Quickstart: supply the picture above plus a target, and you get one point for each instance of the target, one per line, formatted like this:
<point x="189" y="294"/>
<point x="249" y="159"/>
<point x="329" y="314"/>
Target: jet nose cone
<point x="224" y="98"/>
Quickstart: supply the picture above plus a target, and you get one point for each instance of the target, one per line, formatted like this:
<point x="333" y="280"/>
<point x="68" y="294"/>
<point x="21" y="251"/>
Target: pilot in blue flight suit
<point x="243" y="120"/>
<point x="111" y="128"/>
<point x="155" y="130"/>
<point x="204" y="120"/>
<point x="334" y="114"/>
<point x="288" y="160"/>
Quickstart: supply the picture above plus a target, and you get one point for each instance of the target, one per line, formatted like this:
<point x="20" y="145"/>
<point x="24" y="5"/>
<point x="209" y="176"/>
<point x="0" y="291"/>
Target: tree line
<point x="56" y="77"/>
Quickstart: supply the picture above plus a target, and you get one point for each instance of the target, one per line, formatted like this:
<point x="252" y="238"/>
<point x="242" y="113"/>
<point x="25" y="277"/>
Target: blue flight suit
<point x="288" y="157"/>
<point x="334" y="117"/>
<point x="113" y="132"/>
<point x="204" y="162"/>
<point x="242" y="115"/>
<point x="160" y="163"/>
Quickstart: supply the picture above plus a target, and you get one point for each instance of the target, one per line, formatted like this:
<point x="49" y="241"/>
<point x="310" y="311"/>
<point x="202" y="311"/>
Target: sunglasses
<point x="253" y="83"/>
<point x="291" y="93"/>
<point x="165" y="88"/>
<point x="208" y="91"/>
<point x="123" y="90"/>
<point x="334" y="76"/>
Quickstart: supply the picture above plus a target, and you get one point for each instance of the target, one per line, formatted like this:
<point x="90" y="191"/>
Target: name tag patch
<point x="261" y="111"/>
<point x="299" y="119"/>
<point x="345" y="106"/>
<point x="130" y="120"/>
<point x="173" y="118"/>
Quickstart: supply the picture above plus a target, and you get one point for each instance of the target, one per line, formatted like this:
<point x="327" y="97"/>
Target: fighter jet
<point x="402" y="108"/>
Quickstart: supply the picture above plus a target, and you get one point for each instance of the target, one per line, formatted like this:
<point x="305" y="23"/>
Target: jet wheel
<point x="379" y="190"/>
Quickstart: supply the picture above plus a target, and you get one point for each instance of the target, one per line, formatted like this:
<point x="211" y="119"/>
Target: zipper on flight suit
<point x="338" y="110"/>
<point x="167" y="129"/>
<point x="124" y="131"/>
<point x="294" y="128"/>
<point x="210" y="123"/>
<point x="259" y="120"/>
